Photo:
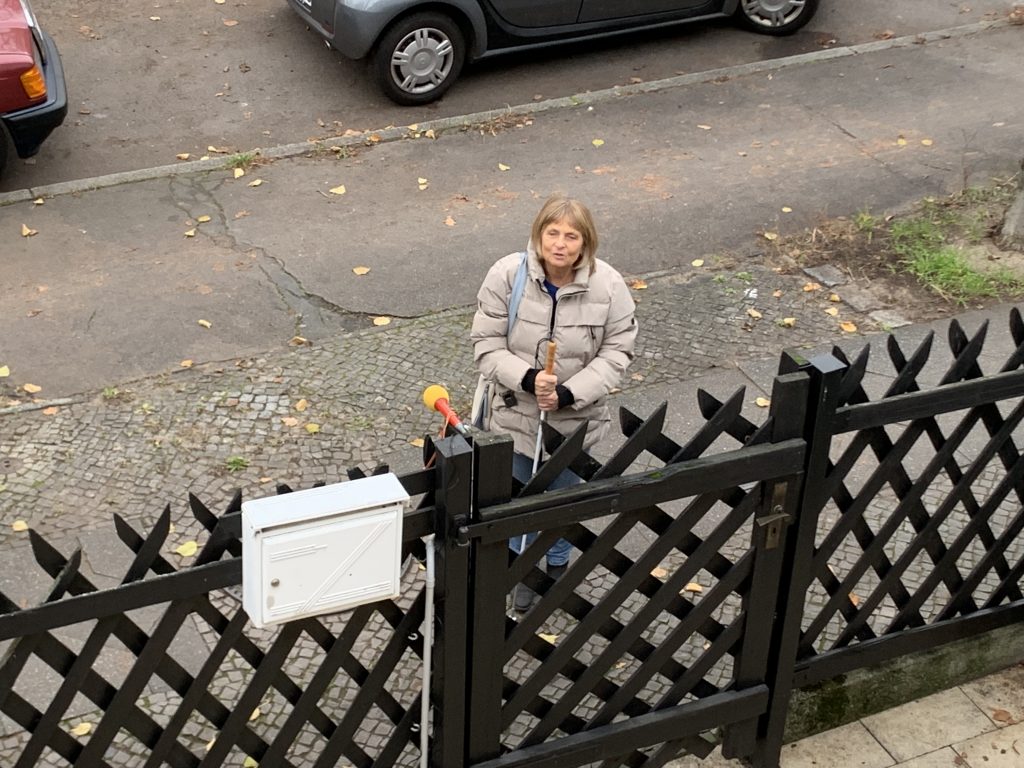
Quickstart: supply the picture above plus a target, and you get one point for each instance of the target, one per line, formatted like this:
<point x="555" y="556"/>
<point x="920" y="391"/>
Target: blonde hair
<point x="577" y="215"/>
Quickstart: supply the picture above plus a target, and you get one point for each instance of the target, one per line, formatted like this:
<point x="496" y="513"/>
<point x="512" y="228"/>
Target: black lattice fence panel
<point x="921" y="515"/>
<point x="166" y="670"/>
<point x="652" y="613"/>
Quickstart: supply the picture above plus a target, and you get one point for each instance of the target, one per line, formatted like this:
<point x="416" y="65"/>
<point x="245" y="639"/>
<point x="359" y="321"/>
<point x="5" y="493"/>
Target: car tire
<point x="419" y="57"/>
<point x="775" y="17"/>
<point x="3" y="150"/>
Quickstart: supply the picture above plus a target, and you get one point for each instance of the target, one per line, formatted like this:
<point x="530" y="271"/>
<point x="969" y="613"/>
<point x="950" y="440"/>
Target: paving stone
<point x="927" y="724"/>
<point x="850" y="746"/>
<point x="1001" y="749"/>
<point x="827" y="275"/>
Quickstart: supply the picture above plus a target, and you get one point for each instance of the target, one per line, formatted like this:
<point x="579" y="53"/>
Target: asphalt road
<point x="111" y="287"/>
<point x="150" y="80"/>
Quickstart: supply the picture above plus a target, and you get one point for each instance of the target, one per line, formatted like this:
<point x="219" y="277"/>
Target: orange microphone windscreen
<point x="432" y="394"/>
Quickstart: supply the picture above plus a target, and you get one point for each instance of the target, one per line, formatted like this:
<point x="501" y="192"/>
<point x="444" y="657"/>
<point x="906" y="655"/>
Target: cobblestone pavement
<point x="308" y="414"/>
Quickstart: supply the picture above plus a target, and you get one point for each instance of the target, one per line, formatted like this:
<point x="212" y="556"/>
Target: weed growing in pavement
<point x="865" y="223"/>
<point x="111" y="393"/>
<point x="243" y="160"/>
<point x="236" y="463"/>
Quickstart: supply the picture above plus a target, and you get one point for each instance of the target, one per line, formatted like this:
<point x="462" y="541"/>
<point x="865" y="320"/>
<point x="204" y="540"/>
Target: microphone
<point x="435" y="397"/>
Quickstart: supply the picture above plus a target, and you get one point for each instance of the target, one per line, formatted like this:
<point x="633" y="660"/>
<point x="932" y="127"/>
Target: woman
<point x="583" y="305"/>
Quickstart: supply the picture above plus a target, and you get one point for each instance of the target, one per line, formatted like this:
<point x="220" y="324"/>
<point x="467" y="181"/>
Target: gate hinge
<point x="773" y="523"/>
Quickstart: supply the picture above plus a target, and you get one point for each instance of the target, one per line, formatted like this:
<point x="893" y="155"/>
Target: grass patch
<point x="243" y="160"/>
<point x="922" y="246"/>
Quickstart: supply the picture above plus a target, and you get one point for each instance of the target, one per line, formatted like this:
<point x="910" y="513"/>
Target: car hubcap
<point x="773" y="13"/>
<point x="422" y="60"/>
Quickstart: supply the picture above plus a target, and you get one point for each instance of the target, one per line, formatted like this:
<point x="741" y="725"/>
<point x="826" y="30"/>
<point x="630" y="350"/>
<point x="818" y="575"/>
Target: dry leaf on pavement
<point x="312" y="428"/>
<point x="187" y="549"/>
<point x="361" y="270"/>
<point x="754" y="313"/>
<point x="697" y="263"/>
<point x="302" y="405"/>
<point x="338" y="190"/>
<point x="19" y="526"/>
<point x="383" y="320"/>
<point x="638" y="285"/>
<point x="32" y="388"/>
<point x="848" y="327"/>
<point x="27" y="231"/>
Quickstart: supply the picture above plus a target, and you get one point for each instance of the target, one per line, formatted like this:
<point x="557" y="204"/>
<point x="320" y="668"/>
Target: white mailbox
<point x="322" y="550"/>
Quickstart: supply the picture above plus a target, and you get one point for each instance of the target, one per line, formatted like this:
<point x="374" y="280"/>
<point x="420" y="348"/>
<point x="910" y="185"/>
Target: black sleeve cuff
<point x="565" y="396"/>
<point x="529" y="380"/>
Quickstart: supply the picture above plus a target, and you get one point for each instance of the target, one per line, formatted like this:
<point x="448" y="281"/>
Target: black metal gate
<point x="866" y="518"/>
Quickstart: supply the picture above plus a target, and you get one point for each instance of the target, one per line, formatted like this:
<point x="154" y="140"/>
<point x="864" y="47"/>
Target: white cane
<point x="549" y="368"/>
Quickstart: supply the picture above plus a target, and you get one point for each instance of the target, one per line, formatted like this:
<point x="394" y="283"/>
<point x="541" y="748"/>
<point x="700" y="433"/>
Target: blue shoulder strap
<point x="518" y="286"/>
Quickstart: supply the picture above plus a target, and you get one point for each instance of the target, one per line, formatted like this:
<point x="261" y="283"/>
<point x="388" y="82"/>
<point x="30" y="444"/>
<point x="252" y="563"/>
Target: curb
<point x="464" y="121"/>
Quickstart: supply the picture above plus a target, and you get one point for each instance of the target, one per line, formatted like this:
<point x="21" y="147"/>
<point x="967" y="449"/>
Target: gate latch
<point x="773" y="523"/>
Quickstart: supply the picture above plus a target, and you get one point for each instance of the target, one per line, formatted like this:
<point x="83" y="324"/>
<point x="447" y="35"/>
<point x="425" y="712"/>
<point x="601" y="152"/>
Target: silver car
<point x="417" y="47"/>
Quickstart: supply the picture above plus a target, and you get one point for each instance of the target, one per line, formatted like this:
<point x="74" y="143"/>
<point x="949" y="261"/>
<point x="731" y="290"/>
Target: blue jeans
<point x="522" y="470"/>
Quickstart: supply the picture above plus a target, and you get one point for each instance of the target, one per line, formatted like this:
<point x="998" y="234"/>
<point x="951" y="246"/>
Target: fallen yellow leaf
<point x="697" y="263"/>
<point x="834" y="297"/>
<point x="255" y="182"/>
<point x="423" y="183"/>
<point x="854" y="599"/>
<point x="754" y="313"/>
<point x="154" y="18"/>
<point x="250" y="762"/>
<point x="417" y="441"/>
<point x="848" y="327"/>
<point x="239" y="173"/>
<point x="503" y="167"/>
<point x="312" y="428"/>
<point x="808" y="287"/>
<point x="27" y="231"/>
<point x="32" y="388"/>
<point x="4" y="371"/>
<point x="598" y="142"/>
<point x="211" y="742"/>
<point x="762" y="402"/>
<point x="19" y="526"/>
<point x="38" y="201"/>
<point x="265" y="480"/>
<point x="638" y="285"/>
<point x="255" y="714"/>
<point x="216" y="150"/>
<point x="361" y="270"/>
<point x="289" y="421"/>
<point x="230" y="23"/>
<point x="298" y="341"/>
<point x="694" y="587"/>
<point x="777" y="294"/>
<point x="51" y="411"/>
<point x="704" y="127"/>
<point x="659" y="573"/>
<point x="302" y="405"/>
<point x="185" y="363"/>
<point x="927" y="142"/>
<point x="183" y="155"/>
<point x="338" y="190"/>
<point x="82" y="729"/>
<point x="771" y="236"/>
<point x="204" y="323"/>
<point x="374" y="138"/>
<point x="381" y="320"/>
<point x="786" y="209"/>
<point x="187" y="549"/>
<point x="429" y="133"/>
<point x="788" y="322"/>
<point x="900" y="141"/>
<point x="203" y="219"/>
<point x="833" y="311"/>
<point x="190" y="232"/>
<point x="549" y="638"/>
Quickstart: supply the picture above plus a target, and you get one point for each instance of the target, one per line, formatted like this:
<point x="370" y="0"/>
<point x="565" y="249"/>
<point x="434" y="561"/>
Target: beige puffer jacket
<point x="594" y="329"/>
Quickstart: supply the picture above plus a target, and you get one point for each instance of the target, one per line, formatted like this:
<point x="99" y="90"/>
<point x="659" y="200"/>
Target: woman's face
<point x="560" y="246"/>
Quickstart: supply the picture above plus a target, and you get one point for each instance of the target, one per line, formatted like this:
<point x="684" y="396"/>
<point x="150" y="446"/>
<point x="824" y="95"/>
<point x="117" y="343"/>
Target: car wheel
<point x="419" y="57"/>
<point x="775" y="17"/>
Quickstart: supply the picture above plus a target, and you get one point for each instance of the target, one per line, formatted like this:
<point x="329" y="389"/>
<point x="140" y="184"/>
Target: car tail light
<point x="34" y="83"/>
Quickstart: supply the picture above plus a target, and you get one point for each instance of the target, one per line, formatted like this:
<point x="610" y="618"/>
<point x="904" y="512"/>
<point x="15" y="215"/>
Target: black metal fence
<point x="876" y="512"/>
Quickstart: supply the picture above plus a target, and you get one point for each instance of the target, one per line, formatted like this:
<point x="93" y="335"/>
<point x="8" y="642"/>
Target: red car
<point x="33" y="96"/>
